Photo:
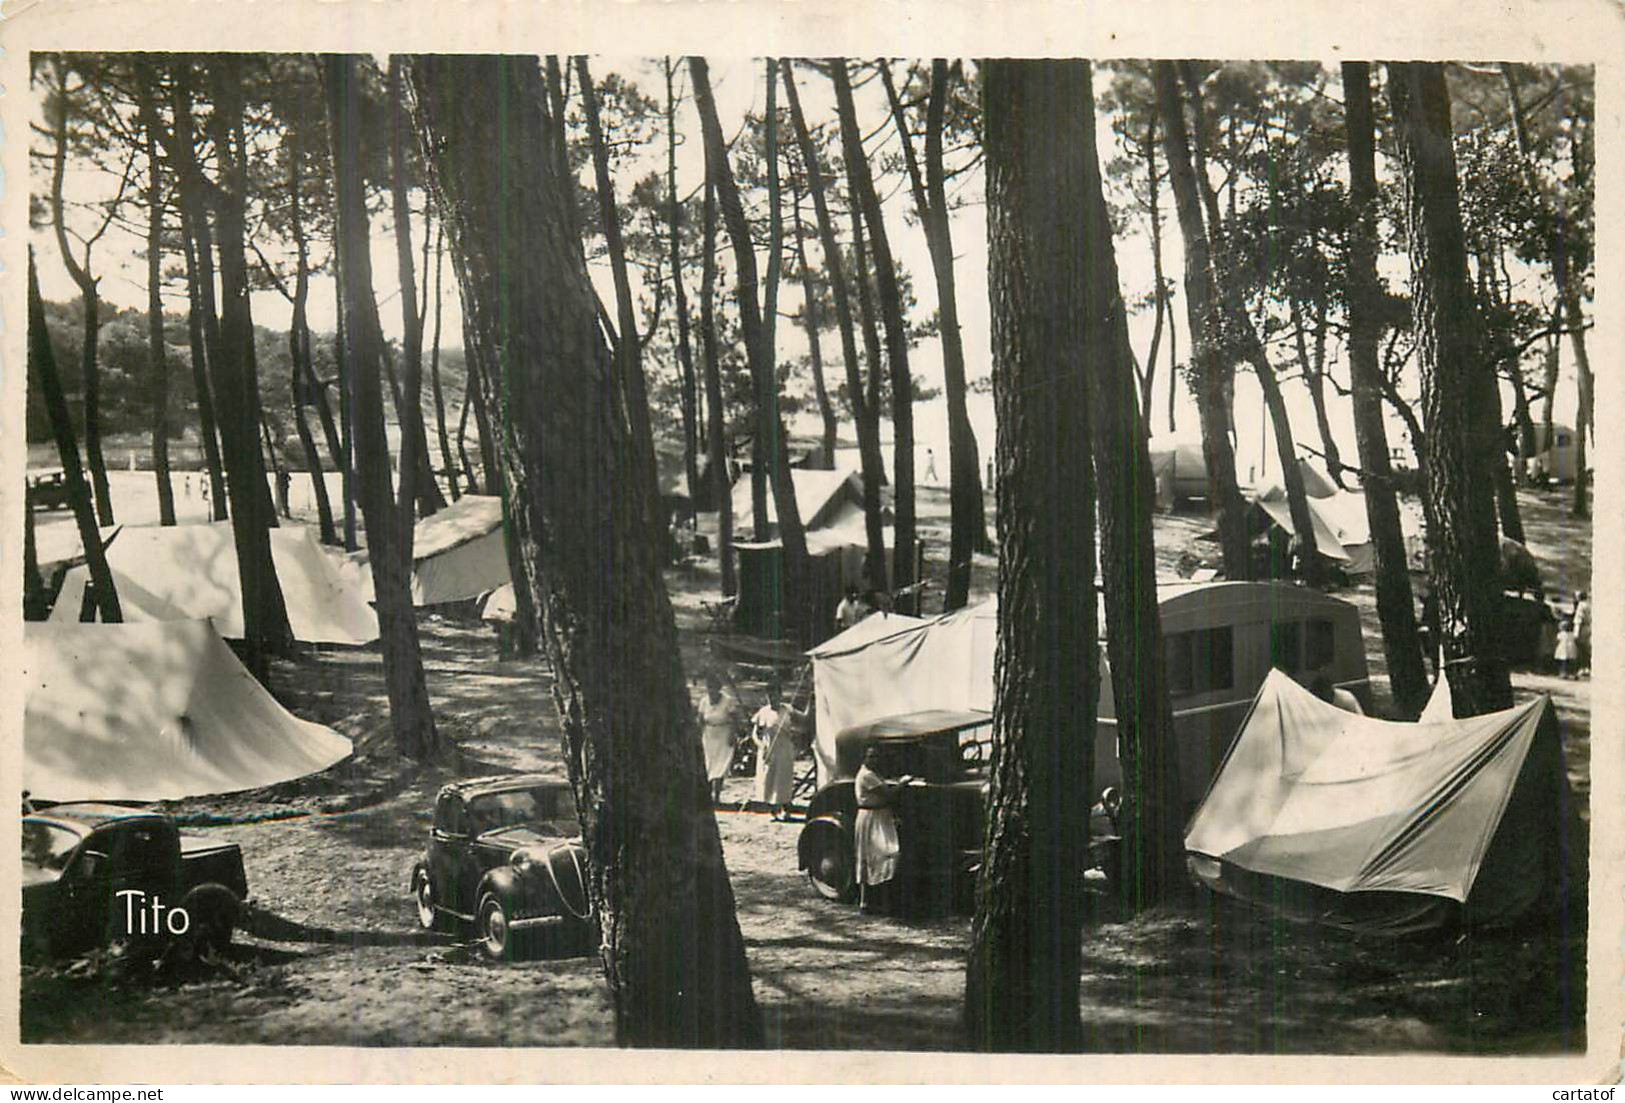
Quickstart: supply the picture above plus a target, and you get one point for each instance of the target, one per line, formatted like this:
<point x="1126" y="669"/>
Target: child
<point x="1568" y="650"/>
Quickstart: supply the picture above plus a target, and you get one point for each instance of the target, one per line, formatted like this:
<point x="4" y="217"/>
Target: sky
<point x="739" y="87"/>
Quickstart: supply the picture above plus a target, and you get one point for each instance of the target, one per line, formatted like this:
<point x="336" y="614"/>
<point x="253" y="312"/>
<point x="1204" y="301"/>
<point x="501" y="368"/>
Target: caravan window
<point x="1285" y="645"/>
<point x="1320" y="645"/>
<point x="1200" y="661"/>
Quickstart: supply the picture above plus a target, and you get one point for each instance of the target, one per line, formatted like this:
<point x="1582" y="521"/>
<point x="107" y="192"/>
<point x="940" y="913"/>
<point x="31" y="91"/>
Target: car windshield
<point x="542" y="803"/>
<point x="47" y="845"/>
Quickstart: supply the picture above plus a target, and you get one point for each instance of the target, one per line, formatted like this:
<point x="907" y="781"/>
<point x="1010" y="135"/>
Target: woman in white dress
<point x="719" y="716"/>
<point x="876" y="830"/>
<point x="775" y="754"/>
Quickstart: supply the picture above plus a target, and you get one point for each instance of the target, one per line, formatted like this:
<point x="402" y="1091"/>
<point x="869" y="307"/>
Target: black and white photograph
<point x="762" y="552"/>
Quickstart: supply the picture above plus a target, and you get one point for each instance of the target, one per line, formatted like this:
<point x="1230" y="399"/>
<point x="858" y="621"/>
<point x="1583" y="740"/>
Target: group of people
<point x="1571" y="650"/>
<point x="773" y="732"/>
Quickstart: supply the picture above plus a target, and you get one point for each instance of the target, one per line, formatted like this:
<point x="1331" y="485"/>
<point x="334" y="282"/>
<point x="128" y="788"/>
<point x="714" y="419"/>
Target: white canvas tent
<point x="824" y="499"/>
<point x="154" y="711"/>
<point x="189" y="572"/>
<point x="459" y="552"/>
<point x="1179" y="468"/>
<point x="889" y="665"/>
<point x="1320" y="805"/>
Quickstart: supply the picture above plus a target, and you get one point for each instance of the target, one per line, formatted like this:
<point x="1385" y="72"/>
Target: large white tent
<point x="1373" y="823"/>
<point x="187" y="572"/>
<point x="154" y="711"/>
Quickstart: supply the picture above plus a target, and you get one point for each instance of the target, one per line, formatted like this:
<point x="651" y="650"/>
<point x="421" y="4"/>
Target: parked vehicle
<point x="505" y="858"/>
<point x="940" y="811"/>
<point x="1220" y="640"/>
<point x="98" y="874"/>
<point x="48" y="490"/>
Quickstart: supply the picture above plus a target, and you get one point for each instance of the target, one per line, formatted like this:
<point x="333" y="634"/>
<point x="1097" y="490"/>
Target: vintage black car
<point x="505" y="857"/>
<point x="48" y="490"/>
<point x="944" y="755"/>
<point x="93" y="873"/>
<point x="939" y="815"/>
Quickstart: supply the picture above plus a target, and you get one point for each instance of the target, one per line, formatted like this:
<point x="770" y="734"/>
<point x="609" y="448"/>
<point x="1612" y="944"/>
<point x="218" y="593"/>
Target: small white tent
<point x="154" y="711"/>
<point x="188" y="572"/>
<point x="459" y="552"/>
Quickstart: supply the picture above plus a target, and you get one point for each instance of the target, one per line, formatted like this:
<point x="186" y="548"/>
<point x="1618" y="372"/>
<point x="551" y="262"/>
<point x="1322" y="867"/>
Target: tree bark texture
<point x="813" y="325"/>
<point x="388" y="519"/>
<point x="1021" y="989"/>
<point x="202" y="388"/>
<point x="306" y="389"/>
<point x="1463" y="551"/>
<point x="1396" y="608"/>
<point x="670" y="944"/>
<point x="446" y="458"/>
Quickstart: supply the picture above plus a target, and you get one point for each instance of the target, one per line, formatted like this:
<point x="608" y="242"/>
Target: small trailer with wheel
<point x="97" y="875"/>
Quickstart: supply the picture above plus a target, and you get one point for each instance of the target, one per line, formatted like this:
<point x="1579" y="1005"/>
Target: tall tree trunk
<point x="1208" y="372"/>
<point x="894" y="325"/>
<point x="157" y="354"/>
<point x="341" y="359"/>
<point x="865" y="418"/>
<point x="388" y="519"/>
<point x="813" y="324"/>
<point x="874" y="393"/>
<point x="89" y="364"/>
<point x="482" y="380"/>
<point x="1584" y="417"/>
<point x="628" y="350"/>
<point x="446" y="459"/>
<point x="409" y="401"/>
<point x="467" y="465"/>
<point x="760" y="352"/>
<point x="1314" y="378"/>
<point x="36" y="597"/>
<point x="1173" y="366"/>
<point x="1159" y="295"/>
<point x="671" y="947"/>
<point x="1396" y="608"/>
<point x="721" y="483"/>
<point x="689" y="392"/>
<point x="1150" y="820"/>
<point x="967" y="522"/>
<point x="1021" y="984"/>
<point x="265" y="616"/>
<point x="42" y="367"/>
<point x="1463" y="553"/>
<point x="305" y="387"/>
<point x="200" y="376"/>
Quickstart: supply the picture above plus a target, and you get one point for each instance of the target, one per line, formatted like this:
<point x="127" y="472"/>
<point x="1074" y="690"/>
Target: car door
<point x="86" y="895"/>
<point x="448" y="854"/>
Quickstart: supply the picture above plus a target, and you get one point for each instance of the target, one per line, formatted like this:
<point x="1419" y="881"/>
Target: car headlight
<point x="521" y="859"/>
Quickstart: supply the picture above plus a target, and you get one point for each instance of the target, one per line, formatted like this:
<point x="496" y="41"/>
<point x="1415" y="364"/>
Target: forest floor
<point x="332" y="953"/>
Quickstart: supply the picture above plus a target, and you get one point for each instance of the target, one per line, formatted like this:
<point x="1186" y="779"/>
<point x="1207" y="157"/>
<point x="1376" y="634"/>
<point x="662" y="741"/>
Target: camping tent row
<point x="189" y="572"/>
<point x="154" y="711"/>
<point x="1376" y="825"/>
<point x="1220" y="640"/>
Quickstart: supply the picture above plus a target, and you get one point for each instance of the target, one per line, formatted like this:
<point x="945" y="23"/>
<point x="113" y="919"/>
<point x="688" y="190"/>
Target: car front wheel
<point x="493" y="933"/>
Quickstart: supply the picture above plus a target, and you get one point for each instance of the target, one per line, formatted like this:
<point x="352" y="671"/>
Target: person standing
<point x="878" y="848"/>
<point x="850" y="610"/>
<point x="931" y="475"/>
<point x="1582" y="631"/>
<point x="775" y="754"/>
<point x="1568" y="650"/>
<point x="719" y="715"/>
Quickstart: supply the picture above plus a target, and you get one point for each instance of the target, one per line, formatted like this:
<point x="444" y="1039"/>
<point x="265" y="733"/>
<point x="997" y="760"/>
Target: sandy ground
<point x="333" y="955"/>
